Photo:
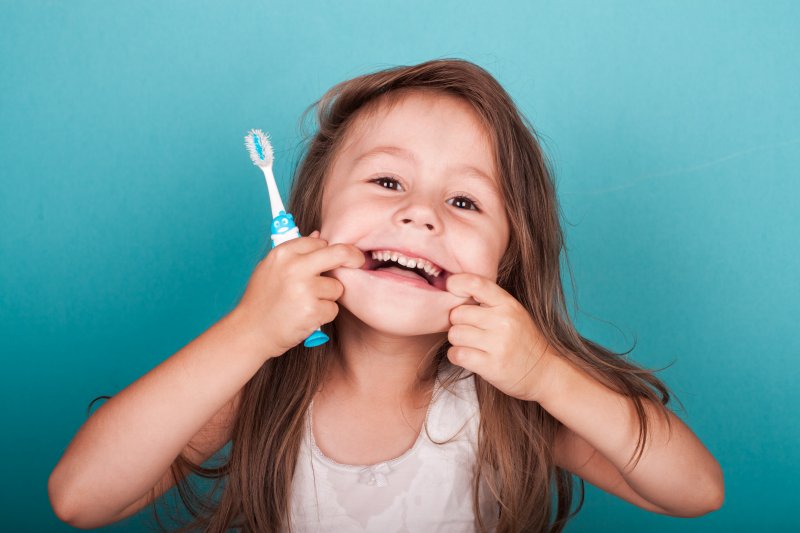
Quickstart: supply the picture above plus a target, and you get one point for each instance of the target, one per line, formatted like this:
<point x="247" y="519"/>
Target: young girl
<point x="454" y="395"/>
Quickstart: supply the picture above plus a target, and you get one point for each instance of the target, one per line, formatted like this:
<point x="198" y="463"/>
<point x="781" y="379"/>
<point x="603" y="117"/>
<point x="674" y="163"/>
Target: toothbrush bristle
<point x="259" y="147"/>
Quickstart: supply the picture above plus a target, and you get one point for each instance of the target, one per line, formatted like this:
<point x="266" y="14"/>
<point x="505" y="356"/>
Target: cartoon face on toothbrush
<point x="282" y="223"/>
<point x="283" y="228"/>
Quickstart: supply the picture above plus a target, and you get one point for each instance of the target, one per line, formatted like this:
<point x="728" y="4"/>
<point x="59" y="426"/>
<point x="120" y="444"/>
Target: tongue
<point x="403" y="272"/>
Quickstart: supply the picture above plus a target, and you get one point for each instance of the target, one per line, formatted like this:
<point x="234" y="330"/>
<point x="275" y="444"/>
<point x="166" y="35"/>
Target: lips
<point x="403" y="279"/>
<point x="437" y="282"/>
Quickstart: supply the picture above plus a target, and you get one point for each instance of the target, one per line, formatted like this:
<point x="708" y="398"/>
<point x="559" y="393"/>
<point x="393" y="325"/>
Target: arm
<point x="579" y="457"/>
<point x="676" y="473"/>
<point x="209" y="440"/>
<point x="128" y="444"/>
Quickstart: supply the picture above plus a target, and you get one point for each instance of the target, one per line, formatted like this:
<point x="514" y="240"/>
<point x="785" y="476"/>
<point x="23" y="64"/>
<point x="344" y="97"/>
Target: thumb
<point x="314" y="233"/>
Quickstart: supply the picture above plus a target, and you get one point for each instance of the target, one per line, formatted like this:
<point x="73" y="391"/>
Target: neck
<point x="379" y="367"/>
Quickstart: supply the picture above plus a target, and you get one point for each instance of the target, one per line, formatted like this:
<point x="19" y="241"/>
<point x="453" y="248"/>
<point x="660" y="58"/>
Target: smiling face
<point x="416" y="180"/>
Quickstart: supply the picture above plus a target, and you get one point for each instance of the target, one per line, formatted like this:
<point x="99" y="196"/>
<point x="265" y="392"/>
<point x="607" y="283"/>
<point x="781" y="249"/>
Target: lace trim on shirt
<point x="374" y="474"/>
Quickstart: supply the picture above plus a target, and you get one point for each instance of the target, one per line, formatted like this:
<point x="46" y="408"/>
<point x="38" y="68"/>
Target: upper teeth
<point x="411" y="262"/>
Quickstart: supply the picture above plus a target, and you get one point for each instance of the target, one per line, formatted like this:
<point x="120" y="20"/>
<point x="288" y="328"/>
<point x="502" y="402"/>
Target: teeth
<point x="422" y="264"/>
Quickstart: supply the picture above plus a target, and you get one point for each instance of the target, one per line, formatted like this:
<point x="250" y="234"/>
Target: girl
<point x="455" y="394"/>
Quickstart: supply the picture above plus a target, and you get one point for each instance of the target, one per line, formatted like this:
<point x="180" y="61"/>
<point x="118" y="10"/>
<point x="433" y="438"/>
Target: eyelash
<point x="460" y="195"/>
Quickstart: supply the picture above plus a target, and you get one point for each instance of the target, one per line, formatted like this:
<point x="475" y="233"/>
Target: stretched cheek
<point x="345" y="277"/>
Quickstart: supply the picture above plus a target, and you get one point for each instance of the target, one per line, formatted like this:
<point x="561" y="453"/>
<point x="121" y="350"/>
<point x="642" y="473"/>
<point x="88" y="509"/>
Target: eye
<point x="385" y="179"/>
<point x="460" y="200"/>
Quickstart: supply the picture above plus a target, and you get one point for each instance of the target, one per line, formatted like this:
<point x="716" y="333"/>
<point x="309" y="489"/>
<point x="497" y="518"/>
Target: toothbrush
<point x="283" y="227"/>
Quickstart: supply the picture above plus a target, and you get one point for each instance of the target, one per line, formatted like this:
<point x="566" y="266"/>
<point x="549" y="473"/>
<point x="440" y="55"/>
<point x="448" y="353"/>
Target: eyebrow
<point x="408" y="154"/>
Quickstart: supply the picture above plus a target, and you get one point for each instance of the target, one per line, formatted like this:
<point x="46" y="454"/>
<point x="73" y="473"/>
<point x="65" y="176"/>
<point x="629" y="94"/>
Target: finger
<point x="469" y="358"/>
<point x="328" y="311"/>
<point x="328" y="288"/>
<point x="470" y="336"/>
<point x="335" y="256"/>
<point x="483" y="290"/>
<point x="302" y="245"/>
<point x="473" y="315"/>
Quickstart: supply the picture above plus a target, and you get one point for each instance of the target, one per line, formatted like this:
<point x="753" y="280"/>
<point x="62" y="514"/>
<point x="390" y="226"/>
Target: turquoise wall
<point x="131" y="217"/>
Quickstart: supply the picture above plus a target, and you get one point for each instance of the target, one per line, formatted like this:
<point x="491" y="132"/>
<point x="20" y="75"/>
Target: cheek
<point x="353" y="225"/>
<point x="344" y="219"/>
<point x="480" y="254"/>
<point x="497" y="239"/>
<point x="347" y="230"/>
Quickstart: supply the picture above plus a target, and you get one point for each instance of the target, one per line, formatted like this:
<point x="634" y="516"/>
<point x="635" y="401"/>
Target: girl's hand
<point x="286" y="298"/>
<point x="497" y="339"/>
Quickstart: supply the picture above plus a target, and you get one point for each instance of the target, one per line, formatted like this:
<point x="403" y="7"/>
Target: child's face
<point x="421" y="210"/>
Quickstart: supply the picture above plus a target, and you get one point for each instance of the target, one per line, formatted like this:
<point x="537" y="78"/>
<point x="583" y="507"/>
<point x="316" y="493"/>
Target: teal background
<point x="131" y="217"/>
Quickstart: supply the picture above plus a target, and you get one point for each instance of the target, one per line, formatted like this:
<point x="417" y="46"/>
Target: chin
<point x="394" y="308"/>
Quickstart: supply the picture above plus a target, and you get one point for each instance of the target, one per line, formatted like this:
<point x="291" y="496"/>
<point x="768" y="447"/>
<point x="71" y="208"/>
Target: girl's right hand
<point x="286" y="297"/>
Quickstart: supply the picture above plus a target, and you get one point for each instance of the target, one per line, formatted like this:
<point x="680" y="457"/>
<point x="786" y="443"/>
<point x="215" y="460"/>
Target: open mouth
<point x="431" y="273"/>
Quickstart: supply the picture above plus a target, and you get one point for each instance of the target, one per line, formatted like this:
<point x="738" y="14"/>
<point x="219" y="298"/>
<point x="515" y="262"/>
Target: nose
<point x="422" y="215"/>
<point x="408" y="221"/>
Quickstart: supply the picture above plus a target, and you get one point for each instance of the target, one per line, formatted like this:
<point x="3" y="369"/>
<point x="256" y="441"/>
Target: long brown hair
<point x="515" y="437"/>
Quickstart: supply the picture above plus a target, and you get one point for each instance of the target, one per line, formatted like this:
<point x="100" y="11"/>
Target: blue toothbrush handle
<point x="316" y="338"/>
<point x="284" y="229"/>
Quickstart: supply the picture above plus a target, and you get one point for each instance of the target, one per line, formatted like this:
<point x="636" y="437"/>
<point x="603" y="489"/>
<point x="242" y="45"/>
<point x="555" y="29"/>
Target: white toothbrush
<point x="283" y="227"/>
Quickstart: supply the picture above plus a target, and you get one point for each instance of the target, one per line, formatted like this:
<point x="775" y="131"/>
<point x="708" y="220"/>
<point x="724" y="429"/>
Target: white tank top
<point x="428" y="488"/>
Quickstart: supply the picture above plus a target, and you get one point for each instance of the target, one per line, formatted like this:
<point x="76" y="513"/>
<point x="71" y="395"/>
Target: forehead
<point x="418" y="125"/>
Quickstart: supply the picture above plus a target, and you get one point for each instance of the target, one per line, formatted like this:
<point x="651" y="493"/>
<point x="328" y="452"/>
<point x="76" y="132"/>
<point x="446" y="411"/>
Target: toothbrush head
<point x="259" y="147"/>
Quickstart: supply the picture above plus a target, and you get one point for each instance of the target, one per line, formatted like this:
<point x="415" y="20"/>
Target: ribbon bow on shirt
<point x="375" y="475"/>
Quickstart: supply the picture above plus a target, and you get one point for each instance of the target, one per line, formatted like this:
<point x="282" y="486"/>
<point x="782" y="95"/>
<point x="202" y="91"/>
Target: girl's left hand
<point x="497" y="339"/>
